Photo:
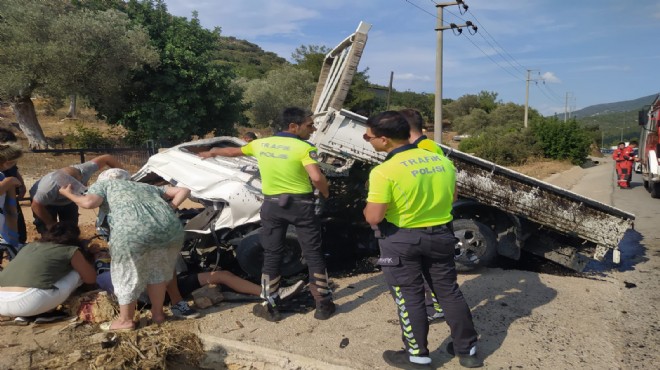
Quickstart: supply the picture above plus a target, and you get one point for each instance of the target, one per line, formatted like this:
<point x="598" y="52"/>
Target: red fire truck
<point x="649" y="147"/>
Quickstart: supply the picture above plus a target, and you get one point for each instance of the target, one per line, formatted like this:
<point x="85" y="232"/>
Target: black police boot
<point x="324" y="310"/>
<point x="401" y="359"/>
<point x="469" y="361"/>
<point x="267" y="311"/>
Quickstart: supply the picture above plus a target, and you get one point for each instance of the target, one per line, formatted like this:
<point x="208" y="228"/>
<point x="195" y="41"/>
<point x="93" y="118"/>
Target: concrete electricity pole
<point x="437" y="117"/>
<point x="527" y="97"/>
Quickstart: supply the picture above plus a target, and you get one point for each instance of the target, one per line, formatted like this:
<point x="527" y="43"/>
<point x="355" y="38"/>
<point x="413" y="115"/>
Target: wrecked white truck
<point x="499" y="211"/>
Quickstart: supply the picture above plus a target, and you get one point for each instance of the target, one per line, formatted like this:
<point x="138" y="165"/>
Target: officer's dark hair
<point x="250" y="135"/>
<point x="390" y="124"/>
<point x="414" y="118"/>
<point x="292" y="115"/>
<point x="6" y="136"/>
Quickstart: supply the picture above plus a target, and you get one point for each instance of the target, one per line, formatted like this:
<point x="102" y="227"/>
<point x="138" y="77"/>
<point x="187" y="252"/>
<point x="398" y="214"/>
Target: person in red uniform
<point x="629" y="157"/>
<point x="617" y="155"/>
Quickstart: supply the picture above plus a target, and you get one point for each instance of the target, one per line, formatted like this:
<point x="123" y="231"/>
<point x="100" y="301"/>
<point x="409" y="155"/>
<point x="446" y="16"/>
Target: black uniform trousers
<point x="276" y="216"/>
<point x="407" y="257"/>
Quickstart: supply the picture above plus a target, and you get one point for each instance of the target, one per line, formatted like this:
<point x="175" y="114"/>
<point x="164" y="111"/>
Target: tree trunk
<point x="72" y="106"/>
<point x="28" y="122"/>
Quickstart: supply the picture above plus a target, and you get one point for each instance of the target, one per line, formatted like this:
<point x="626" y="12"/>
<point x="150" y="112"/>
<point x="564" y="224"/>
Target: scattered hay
<point x="153" y="347"/>
<point x="94" y="307"/>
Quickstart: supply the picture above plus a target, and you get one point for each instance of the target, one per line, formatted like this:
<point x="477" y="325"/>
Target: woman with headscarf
<point x="146" y="237"/>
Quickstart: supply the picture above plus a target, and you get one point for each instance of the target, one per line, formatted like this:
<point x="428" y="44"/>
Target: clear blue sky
<point x="597" y="51"/>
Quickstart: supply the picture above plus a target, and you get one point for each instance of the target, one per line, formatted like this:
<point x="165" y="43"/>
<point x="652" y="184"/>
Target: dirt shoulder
<point x="606" y="320"/>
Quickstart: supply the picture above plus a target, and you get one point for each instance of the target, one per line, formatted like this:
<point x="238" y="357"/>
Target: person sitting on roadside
<point x="48" y="206"/>
<point x="9" y="138"/>
<point x="45" y="272"/>
<point x="146" y="237"/>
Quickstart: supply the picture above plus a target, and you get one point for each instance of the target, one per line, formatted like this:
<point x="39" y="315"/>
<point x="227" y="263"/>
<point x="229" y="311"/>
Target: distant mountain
<point x="618" y="107"/>
<point x="615" y="121"/>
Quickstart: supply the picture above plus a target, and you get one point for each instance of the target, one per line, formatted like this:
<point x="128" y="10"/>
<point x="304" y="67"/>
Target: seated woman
<point x="45" y="272"/>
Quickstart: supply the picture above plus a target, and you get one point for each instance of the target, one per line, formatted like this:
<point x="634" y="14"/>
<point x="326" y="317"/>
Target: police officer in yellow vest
<point x="410" y="202"/>
<point x="417" y="137"/>
<point x="433" y="309"/>
<point x="287" y="163"/>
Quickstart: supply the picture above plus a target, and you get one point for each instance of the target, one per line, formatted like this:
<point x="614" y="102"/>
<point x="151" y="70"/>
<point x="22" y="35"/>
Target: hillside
<point x="246" y="59"/>
<point x="616" y="121"/>
<point x="617" y="107"/>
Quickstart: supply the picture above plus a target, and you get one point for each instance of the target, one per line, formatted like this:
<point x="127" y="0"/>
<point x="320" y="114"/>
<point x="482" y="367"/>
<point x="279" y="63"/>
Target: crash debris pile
<point x="153" y="347"/>
<point x="93" y="307"/>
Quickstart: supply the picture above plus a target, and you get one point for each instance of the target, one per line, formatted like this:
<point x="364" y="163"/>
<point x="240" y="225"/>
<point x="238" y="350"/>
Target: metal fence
<point x="36" y="163"/>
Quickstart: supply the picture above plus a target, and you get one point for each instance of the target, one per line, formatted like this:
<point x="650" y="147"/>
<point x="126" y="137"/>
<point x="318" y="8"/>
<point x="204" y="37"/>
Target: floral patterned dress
<point x="145" y="235"/>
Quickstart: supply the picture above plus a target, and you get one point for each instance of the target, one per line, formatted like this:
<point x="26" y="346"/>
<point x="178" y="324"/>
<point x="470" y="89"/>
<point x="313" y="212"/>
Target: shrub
<point x="562" y="140"/>
<point x="503" y="145"/>
<point x="87" y="137"/>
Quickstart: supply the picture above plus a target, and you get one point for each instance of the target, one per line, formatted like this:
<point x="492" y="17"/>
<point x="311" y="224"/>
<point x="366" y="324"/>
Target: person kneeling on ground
<point x="45" y="272"/>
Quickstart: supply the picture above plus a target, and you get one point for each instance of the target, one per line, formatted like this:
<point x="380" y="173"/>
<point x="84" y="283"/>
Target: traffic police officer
<point x="433" y="309"/>
<point x="417" y="137"/>
<point x="409" y="203"/>
<point x="287" y="163"/>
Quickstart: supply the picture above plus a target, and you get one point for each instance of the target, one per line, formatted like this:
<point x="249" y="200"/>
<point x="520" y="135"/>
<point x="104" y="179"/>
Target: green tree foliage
<point x="283" y="87"/>
<point x="246" y="59"/>
<point x="187" y="94"/>
<point x="423" y="102"/>
<point x="473" y="123"/>
<point x="310" y="57"/>
<point x="363" y="99"/>
<point x="54" y="49"/>
<point x="503" y="145"/>
<point x="562" y="140"/>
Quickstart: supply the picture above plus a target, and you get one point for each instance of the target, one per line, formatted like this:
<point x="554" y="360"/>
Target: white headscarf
<point x="114" y="174"/>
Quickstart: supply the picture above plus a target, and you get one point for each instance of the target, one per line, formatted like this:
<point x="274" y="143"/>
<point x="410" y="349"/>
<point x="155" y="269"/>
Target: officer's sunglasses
<point x="368" y="138"/>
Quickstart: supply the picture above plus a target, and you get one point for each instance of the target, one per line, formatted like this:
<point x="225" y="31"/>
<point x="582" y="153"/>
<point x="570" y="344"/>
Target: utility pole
<point x="566" y="111"/>
<point x="437" y="117"/>
<point x="527" y="97"/>
<point x="389" y="91"/>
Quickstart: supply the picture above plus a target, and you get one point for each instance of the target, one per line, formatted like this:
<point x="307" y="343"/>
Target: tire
<point x="250" y="255"/>
<point x="646" y="185"/>
<point x="478" y="240"/>
<point x="655" y="189"/>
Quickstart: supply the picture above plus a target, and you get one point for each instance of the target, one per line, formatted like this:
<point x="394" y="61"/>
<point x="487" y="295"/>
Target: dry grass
<point x="542" y="168"/>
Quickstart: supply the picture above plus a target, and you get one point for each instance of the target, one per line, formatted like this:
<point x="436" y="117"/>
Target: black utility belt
<point x="285" y="200"/>
<point x="425" y="228"/>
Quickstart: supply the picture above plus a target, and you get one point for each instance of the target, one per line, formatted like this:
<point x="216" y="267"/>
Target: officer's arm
<point x="318" y="179"/>
<point x="374" y="213"/>
<point x="222" y="152"/>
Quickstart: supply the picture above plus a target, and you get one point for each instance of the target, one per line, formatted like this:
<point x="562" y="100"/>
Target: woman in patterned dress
<point x="146" y="237"/>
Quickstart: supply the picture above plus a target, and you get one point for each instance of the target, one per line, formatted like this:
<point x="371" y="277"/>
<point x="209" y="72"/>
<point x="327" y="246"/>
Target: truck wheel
<point x="250" y="255"/>
<point x="478" y="240"/>
<point x="655" y="189"/>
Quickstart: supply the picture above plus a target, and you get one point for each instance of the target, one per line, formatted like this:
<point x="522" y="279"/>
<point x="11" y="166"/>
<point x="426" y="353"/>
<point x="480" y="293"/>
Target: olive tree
<point x="52" y="48"/>
<point x="286" y="86"/>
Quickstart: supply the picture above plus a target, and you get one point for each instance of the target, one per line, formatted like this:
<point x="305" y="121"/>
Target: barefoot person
<point x="146" y="239"/>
